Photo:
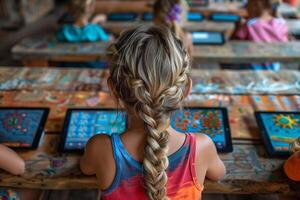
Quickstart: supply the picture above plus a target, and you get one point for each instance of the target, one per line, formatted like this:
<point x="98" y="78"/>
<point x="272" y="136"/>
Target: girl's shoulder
<point x="204" y="143"/>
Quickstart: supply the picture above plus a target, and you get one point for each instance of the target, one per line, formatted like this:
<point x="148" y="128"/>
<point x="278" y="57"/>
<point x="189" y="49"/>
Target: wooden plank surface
<point x="249" y="171"/>
<point x="47" y="48"/>
<point x="284" y="82"/>
<point x="225" y="27"/>
<point x="248" y="52"/>
<point x="241" y="92"/>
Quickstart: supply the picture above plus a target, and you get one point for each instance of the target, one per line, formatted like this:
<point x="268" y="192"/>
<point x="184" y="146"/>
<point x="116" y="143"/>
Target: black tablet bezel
<point x="220" y="13"/>
<point x="40" y="130"/>
<point x="208" y="43"/>
<point x="228" y="147"/>
<point x="64" y="132"/>
<point x="266" y="138"/>
<point x="122" y="20"/>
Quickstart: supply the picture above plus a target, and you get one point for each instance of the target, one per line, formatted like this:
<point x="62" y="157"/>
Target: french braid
<point x="149" y="73"/>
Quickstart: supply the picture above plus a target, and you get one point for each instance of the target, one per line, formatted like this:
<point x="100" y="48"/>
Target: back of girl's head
<point x="256" y="8"/>
<point x="82" y="8"/>
<point x="149" y="74"/>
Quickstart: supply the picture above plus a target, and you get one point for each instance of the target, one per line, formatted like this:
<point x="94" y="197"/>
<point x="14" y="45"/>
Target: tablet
<point x="196" y="17"/>
<point x="278" y="130"/>
<point x="198" y="2"/>
<point x="211" y="121"/>
<point x="208" y="38"/>
<point x="81" y="124"/>
<point x="147" y="16"/>
<point x="122" y="17"/>
<point x="224" y="17"/>
<point x="22" y="128"/>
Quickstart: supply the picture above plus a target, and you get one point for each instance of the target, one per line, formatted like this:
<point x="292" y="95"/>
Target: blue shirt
<point x="87" y="33"/>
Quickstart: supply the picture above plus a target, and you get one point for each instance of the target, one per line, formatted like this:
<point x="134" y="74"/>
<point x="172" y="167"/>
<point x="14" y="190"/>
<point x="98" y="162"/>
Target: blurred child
<point x="149" y="75"/>
<point x="12" y="163"/>
<point x="292" y="165"/>
<point x="173" y="14"/>
<point x="263" y="26"/>
<point x="84" y="29"/>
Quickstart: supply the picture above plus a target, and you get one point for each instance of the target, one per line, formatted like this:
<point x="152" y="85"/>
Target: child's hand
<point x="10" y="161"/>
<point x="98" y="19"/>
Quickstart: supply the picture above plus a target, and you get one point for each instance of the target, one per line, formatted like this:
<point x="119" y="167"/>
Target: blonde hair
<point x="149" y="74"/>
<point x="295" y="147"/>
<point x="162" y="8"/>
<point x="81" y="8"/>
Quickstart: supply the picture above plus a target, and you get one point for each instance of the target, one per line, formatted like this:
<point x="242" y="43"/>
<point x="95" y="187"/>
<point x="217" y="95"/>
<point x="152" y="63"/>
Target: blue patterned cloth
<point x="6" y="194"/>
<point x="88" y="33"/>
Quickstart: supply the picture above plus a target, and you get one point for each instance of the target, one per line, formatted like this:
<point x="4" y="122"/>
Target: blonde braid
<point x="149" y="72"/>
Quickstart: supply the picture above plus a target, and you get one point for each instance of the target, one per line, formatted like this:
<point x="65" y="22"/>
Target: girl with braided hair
<point x="149" y="76"/>
<point x="173" y="14"/>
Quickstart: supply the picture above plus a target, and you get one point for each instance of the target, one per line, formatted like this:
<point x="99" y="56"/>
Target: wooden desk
<point x="38" y="51"/>
<point x="227" y="82"/>
<point x="225" y="27"/>
<point x="242" y="92"/>
<point x="249" y="171"/>
<point x="227" y="7"/>
<point x="294" y="26"/>
<point x="248" y="52"/>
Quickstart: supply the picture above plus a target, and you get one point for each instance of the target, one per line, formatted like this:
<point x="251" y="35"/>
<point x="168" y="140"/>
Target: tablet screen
<point x="207" y="38"/>
<point x="225" y="17"/>
<point x="195" y="16"/>
<point x="83" y="124"/>
<point x="122" y="17"/>
<point x="21" y="128"/>
<point x="212" y="122"/>
<point x="279" y="130"/>
<point x="191" y="16"/>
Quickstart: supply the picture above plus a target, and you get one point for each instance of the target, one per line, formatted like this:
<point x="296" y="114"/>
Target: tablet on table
<point x="82" y="124"/>
<point x="22" y="128"/>
<point x="208" y="38"/>
<point x="279" y="130"/>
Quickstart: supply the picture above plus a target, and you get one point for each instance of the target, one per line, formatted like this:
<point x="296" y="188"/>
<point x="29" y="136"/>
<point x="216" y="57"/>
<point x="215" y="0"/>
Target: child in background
<point x="263" y="26"/>
<point x="12" y="163"/>
<point x="173" y="14"/>
<point x="83" y="30"/>
<point x="292" y="165"/>
<point x="149" y="75"/>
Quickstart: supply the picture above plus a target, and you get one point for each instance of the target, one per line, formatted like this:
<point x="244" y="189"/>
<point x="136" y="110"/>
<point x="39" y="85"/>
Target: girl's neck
<point x="81" y="22"/>
<point x="135" y="124"/>
<point x="266" y="16"/>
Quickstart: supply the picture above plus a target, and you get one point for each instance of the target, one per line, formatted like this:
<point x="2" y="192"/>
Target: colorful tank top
<point x="128" y="181"/>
